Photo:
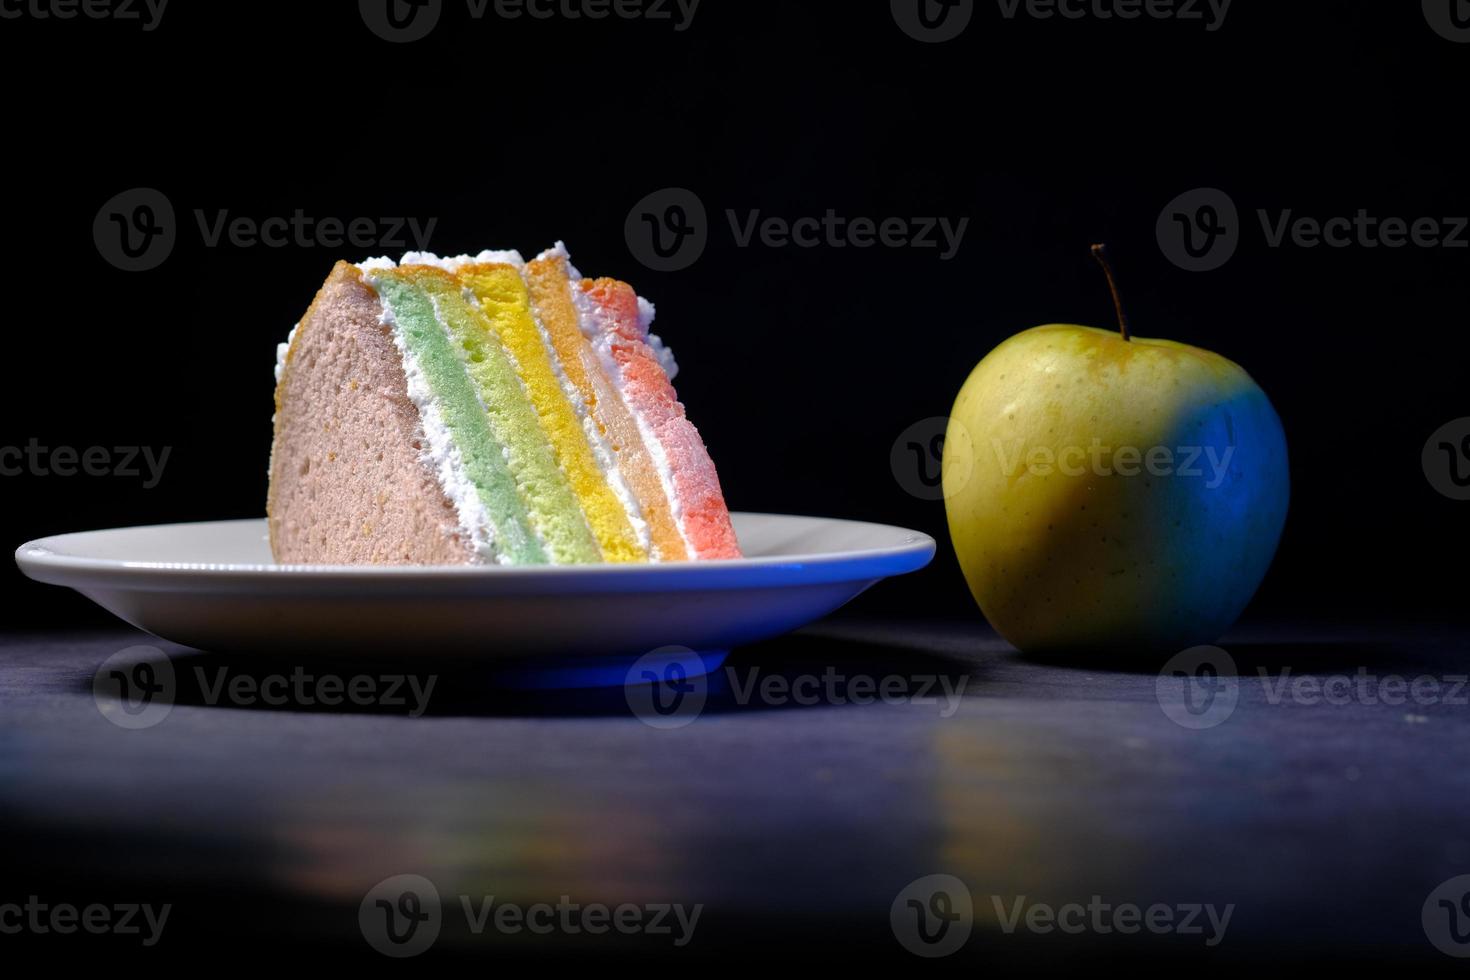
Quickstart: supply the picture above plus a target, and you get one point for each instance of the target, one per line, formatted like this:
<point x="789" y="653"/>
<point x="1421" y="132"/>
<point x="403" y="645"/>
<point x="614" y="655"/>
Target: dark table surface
<point x="1323" y="820"/>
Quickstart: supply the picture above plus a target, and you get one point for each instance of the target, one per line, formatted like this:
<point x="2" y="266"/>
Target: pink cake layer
<point x="703" y="516"/>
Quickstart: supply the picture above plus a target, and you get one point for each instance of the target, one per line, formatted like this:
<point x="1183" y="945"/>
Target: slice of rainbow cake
<point x="485" y="410"/>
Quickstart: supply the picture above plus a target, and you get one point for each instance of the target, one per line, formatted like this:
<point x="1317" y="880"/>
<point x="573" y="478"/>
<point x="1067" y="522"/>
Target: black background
<point x="800" y="366"/>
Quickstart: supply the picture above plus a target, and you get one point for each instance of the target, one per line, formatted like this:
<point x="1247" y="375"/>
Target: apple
<point x="1110" y="491"/>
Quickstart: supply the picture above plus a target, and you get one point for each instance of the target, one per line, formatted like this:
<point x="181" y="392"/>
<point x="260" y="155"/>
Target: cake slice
<point x="485" y="410"/>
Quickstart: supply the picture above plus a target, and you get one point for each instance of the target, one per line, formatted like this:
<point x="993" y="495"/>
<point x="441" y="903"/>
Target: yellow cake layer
<point x="550" y="286"/>
<point x="506" y="304"/>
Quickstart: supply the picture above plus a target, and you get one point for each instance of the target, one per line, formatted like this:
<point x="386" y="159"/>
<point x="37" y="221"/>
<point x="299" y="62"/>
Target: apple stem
<point x="1100" y="252"/>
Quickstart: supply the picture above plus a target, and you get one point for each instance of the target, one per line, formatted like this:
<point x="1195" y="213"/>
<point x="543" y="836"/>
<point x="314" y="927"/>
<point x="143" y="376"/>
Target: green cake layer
<point x="459" y="403"/>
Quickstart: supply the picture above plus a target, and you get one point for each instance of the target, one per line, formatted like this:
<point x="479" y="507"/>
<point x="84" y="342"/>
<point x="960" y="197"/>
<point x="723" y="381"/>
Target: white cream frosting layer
<point x="449" y="263"/>
<point x="559" y="251"/>
<point x="282" y="350"/>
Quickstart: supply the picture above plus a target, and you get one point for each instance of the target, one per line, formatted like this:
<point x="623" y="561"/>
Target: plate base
<point x="561" y="673"/>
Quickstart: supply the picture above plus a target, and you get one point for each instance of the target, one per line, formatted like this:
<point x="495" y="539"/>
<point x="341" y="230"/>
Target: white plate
<point x="214" y="586"/>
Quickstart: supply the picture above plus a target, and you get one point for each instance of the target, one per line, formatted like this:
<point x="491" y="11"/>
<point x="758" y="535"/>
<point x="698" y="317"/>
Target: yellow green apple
<point x="1111" y="491"/>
